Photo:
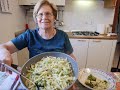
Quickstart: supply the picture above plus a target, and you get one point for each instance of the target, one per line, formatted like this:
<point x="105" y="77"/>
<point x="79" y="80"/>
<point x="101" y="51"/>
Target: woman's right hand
<point x="5" y="56"/>
<point x="6" y="50"/>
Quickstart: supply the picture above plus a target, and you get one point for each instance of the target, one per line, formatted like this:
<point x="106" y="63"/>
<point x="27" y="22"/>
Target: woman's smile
<point x="46" y="21"/>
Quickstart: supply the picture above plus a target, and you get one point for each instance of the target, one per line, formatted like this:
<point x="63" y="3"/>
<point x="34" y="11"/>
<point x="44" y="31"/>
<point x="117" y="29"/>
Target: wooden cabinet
<point x="94" y="53"/>
<point x="80" y="47"/>
<point x="109" y="3"/>
<point x="33" y="2"/>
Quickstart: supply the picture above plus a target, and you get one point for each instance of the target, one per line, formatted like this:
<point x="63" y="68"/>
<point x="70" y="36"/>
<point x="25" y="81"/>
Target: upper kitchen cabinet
<point x="109" y="3"/>
<point x="27" y="2"/>
<point x="58" y="2"/>
<point x="33" y="2"/>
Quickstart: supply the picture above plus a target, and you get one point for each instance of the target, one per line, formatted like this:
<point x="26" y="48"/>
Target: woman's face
<point x="45" y="17"/>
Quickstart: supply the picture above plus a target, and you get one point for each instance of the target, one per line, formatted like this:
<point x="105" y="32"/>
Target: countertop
<point x="101" y="36"/>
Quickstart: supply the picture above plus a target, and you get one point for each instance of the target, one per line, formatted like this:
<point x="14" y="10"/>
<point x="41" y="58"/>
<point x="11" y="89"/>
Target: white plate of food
<point x="96" y="79"/>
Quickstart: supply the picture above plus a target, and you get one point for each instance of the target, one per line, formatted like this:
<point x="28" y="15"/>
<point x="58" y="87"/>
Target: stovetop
<point x="85" y="33"/>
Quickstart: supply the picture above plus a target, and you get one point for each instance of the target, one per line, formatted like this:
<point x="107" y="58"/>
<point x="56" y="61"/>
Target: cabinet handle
<point x="96" y="40"/>
<point x="82" y="40"/>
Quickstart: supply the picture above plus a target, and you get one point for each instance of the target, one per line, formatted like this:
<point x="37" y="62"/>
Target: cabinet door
<point x="99" y="53"/>
<point x="109" y="3"/>
<point x="33" y="2"/>
<point x="80" y="47"/>
<point x="58" y="2"/>
<point x="27" y="2"/>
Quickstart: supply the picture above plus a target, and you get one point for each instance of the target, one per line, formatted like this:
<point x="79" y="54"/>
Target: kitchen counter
<point x="104" y="36"/>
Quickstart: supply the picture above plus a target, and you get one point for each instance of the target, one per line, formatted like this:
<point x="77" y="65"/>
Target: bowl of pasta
<point x="96" y="79"/>
<point x="50" y="71"/>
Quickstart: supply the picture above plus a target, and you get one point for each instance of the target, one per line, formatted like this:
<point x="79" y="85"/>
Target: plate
<point x="85" y="72"/>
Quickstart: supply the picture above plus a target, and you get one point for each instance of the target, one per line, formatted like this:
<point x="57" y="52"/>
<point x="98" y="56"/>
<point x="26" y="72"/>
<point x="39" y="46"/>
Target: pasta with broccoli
<point x="50" y="73"/>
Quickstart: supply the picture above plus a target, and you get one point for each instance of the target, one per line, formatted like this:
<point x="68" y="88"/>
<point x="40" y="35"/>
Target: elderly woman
<point x="45" y="38"/>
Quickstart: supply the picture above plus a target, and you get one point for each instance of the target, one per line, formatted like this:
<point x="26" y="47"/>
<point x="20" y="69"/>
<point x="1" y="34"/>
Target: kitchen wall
<point x="82" y="16"/>
<point x="11" y="23"/>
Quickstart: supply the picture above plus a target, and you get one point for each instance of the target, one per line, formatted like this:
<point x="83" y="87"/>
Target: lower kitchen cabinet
<point x="94" y="53"/>
<point x="99" y="53"/>
<point x="80" y="47"/>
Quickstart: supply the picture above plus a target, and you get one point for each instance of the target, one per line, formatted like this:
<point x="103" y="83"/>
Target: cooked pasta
<point x="50" y="73"/>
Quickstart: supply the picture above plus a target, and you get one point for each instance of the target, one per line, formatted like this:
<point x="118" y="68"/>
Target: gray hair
<point x="39" y="4"/>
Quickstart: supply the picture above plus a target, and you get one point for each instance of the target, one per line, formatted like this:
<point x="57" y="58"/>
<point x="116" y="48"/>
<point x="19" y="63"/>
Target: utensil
<point x="37" y="58"/>
<point x="14" y="70"/>
<point x="99" y="74"/>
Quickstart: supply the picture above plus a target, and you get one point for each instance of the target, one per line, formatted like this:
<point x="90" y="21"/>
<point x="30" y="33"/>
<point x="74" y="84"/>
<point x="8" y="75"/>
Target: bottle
<point x="110" y="28"/>
<point x="106" y="29"/>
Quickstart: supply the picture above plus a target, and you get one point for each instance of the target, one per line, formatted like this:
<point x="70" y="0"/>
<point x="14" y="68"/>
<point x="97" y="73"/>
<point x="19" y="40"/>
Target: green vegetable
<point x="95" y="83"/>
<point x="88" y="82"/>
<point x="91" y="78"/>
<point x="105" y="81"/>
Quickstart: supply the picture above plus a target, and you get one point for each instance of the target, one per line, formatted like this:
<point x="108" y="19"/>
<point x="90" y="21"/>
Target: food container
<point x="37" y="58"/>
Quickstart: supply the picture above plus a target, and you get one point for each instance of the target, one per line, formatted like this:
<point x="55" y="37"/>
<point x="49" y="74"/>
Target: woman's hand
<point x="5" y="56"/>
<point x="73" y="56"/>
<point x="6" y="50"/>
